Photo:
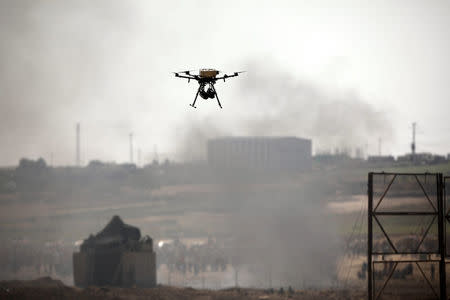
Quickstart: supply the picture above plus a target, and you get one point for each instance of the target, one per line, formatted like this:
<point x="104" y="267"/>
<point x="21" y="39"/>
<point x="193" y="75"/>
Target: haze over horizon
<point x="343" y="74"/>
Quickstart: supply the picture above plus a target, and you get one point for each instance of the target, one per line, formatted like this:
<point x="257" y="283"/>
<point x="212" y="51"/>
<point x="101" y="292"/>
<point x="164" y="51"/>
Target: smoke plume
<point x="273" y="102"/>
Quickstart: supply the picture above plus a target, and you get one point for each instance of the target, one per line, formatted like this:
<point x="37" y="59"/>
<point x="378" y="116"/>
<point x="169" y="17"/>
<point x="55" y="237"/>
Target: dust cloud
<point x="284" y="235"/>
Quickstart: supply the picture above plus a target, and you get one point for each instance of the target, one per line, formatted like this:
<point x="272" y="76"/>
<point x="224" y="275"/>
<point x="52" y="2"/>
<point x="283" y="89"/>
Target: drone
<point x="206" y="79"/>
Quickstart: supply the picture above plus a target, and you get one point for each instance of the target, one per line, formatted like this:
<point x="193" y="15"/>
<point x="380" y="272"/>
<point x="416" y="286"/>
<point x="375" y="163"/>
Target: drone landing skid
<point x="198" y="92"/>
<point x="217" y="97"/>
<point x="195" y="99"/>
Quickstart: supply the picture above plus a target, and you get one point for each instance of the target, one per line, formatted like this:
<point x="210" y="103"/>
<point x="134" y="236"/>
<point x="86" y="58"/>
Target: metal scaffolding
<point x="396" y="201"/>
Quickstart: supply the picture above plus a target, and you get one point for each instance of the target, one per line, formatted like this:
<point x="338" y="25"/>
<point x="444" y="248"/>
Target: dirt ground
<point x="47" y="288"/>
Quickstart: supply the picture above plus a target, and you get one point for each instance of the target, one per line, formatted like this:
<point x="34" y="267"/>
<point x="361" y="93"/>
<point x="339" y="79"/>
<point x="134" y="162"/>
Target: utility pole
<point x="379" y="146"/>
<point x="413" y="144"/>
<point x="155" y="153"/>
<point x="366" y="150"/>
<point x="131" y="148"/>
<point x="139" y="157"/>
<point x="77" y="158"/>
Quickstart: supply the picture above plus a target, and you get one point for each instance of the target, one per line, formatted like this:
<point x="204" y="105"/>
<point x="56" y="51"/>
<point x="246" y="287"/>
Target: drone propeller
<point x="233" y="72"/>
<point x="188" y="72"/>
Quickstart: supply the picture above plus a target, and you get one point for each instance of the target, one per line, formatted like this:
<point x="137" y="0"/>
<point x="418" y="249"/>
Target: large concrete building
<point x="116" y="256"/>
<point x="260" y="153"/>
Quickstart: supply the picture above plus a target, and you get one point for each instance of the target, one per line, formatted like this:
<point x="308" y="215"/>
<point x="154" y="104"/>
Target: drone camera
<point x="211" y="93"/>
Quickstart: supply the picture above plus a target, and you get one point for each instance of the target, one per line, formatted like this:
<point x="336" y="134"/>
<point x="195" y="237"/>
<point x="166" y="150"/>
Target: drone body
<point x="206" y="79"/>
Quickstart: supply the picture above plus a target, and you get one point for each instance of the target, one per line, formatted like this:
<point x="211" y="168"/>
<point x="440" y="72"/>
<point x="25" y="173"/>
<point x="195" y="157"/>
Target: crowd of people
<point x="194" y="259"/>
<point x="405" y="244"/>
<point x="26" y="259"/>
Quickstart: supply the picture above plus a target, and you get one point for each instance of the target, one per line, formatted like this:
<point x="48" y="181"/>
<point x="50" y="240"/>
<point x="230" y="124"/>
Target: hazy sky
<point x="343" y="73"/>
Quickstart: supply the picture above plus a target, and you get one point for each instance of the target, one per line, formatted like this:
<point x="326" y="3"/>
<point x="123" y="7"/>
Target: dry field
<point x="46" y="288"/>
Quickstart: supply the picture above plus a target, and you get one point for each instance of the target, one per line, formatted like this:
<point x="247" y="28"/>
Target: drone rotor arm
<point x="184" y="76"/>
<point x="188" y="77"/>
<point x="225" y="76"/>
<point x="217" y="97"/>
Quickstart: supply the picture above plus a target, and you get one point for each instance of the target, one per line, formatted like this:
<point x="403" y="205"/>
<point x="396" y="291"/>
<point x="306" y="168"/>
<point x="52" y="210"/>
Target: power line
<point x="358" y="220"/>
<point x="360" y="226"/>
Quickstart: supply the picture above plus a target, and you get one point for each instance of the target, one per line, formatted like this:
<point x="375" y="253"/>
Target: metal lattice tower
<point x="389" y="246"/>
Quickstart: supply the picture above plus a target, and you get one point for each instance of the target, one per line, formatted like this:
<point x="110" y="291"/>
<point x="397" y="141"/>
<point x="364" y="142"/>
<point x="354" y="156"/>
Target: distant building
<point x="381" y="159"/>
<point x="405" y="158"/>
<point x="437" y="159"/>
<point x="116" y="256"/>
<point x="421" y="158"/>
<point x="265" y="153"/>
<point x="328" y="158"/>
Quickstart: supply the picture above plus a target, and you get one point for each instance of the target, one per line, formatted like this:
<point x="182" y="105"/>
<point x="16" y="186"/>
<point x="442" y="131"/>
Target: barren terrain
<point x="46" y="288"/>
